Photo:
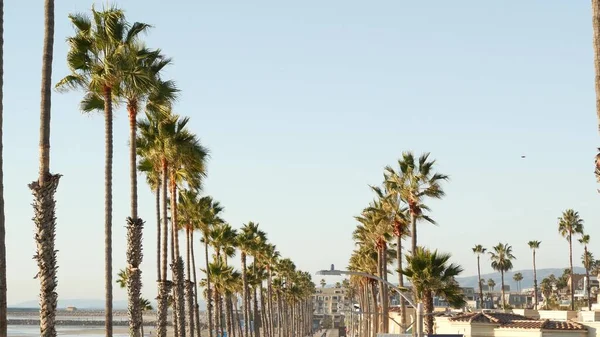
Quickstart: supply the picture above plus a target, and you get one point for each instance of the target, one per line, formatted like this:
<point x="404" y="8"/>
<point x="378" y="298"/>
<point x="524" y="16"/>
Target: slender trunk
<point x="385" y="299"/>
<point x="132" y="113"/>
<point x="375" y="311"/>
<point x="218" y="323"/>
<point x="535" y="285"/>
<point x="380" y="284"/>
<point x="164" y="286"/>
<point x="208" y="288"/>
<point x="270" y="301"/>
<point x="596" y="46"/>
<point x="413" y="224"/>
<point x="587" y="278"/>
<point x="196" y="306"/>
<point x="234" y="321"/>
<point x="108" y="139"/>
<point x="134" y="232"/>
<point x="479" y="281"/>
<point x="189" y="286"/>
<point x="245" y="295"/>
<point x="428" y="309"/>
<point x="189" y="289"/>
<point x="279" y="313"/>
<point x="142" y="326"/>
<point x="502" y="292"/>
<point x="158" y="246"/>
<point x="264" y="325"/>
<point x="256" y="318"/>
<point x="3" y="289"/>
<point x="178" y="263"/>
<point x="571" y="274"/>
<point x="165" y="221"/>
<point x="134" y="281"/>
<point x="228" y="324"/>
<point x="43" y="191"/>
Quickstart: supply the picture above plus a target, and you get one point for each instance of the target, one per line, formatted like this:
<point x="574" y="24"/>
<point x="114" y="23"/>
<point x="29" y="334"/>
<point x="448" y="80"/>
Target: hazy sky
<point x="302" y="104"/>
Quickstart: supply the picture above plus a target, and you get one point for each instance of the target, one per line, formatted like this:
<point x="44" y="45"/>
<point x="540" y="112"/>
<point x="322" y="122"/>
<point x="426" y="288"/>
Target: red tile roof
<point x="508" y="320"/>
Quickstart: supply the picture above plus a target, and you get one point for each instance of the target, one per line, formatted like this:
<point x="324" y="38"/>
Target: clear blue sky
<point x="302" y="104"/>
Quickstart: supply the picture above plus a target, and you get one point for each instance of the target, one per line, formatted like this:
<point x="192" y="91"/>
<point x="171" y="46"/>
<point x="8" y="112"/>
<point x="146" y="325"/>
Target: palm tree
<point x="414" y="182"/>
<point x="479" y="250"/>
<point x="96" y="57"/>
<point x="491" y="284"/>
<point x="146" y="306"/>
<point x="502" y="261"/>
<point x="3" y="292"/>
<point x="44" y="205"/>
<point x="431" y="274"/>
<point x="323" y="283"/>
<point x="534" y="245"/>
<point x="123" y="279"/>
<point x="247" y="241"/>
<point x="569" y="224"/>
<point x="587" y="263"/>
<point x="518" y="277"/>
<point x="210" y="211"/>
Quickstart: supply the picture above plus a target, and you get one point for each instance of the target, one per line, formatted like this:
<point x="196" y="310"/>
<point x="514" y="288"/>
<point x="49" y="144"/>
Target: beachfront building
<point x="330" y="306"/>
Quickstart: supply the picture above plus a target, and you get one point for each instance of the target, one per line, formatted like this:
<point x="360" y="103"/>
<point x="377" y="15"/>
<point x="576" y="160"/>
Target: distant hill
<point x="87" y="304"/>
<point x="527" y="282"/>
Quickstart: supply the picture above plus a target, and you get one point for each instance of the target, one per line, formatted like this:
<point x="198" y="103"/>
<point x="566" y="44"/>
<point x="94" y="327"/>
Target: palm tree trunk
<point x="571" y="273"/>
<point x="596" y="45"/>
<point x="401" y="284"/>
<point x="43" y="191"/>
<point x="385" y="299"/>
<point x="263" y="313"/>
<point x="413" y="224"/>
<point x="179" y="276"/>
<point x="375" y="311"/>
<point x="270" y="300"/>
<point x="245" y="295"/>
<point x="428" y="309"/>
<point x="134" y="281"/>
<point x="502" y="291"/>
<point x="208" y="288"/>
<point x="158" y="247"/>
<point x="189" y="286"/>
<point x="227" y="316"/>
<point x="535" y="285"/>
<point x="108" y="140"/>
<point x="218" y="323"/>
<point x="279" y="313"/>
<point x="196" y="306"/>
<point x="134" y="233"/>
<point x="587" y="278"/>
<point x="479" y="281"/>
<point x="256" y="318"/>
<point x="164" y="286"/>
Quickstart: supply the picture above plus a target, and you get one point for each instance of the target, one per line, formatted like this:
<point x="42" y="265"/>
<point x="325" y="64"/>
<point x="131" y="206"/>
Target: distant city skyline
<point x="303" y="104"/>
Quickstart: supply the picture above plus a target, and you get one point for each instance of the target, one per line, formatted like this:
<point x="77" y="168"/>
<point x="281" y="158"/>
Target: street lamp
<point x="418" y="307"/>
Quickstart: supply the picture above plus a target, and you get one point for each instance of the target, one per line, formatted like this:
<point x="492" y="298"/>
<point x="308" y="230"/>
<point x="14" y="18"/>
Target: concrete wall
<point x="507" y="332"/>
<point x="527" y="313"/>
<point x="558" y="315"/>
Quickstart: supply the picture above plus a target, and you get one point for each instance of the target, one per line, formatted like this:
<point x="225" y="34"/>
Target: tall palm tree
<point x="585" y="241"/>
<point x="188" y="218"/>
<point x="570" y="224"/>
<point x="247" y="241"/>
<point x="518" y="277"/>
<point x="210" y="215"/>
<point x="479" y="250"/>
<point x="534" y="245"/>
<point x="431" y="274"/>
<point x="43" y="190"/>
<point x="415" y="181"/>
<point x="96" y="54"/>
<point x="502" y="261"/>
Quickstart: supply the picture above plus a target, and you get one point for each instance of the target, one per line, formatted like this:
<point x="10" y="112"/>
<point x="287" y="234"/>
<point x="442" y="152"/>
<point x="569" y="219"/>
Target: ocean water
<point x="30" y="331"/>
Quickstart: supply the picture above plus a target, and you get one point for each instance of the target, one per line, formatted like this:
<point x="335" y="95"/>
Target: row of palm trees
<point x="111" y="65"/>
<point x="570" y="225"/>
<point x="399" y="205"/>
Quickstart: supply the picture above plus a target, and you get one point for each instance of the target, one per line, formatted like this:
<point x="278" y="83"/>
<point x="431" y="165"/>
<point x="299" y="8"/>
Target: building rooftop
<point x="508" y="320"/>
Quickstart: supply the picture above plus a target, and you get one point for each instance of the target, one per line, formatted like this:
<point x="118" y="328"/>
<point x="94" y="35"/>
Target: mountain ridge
<point x="527" y="282"/>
